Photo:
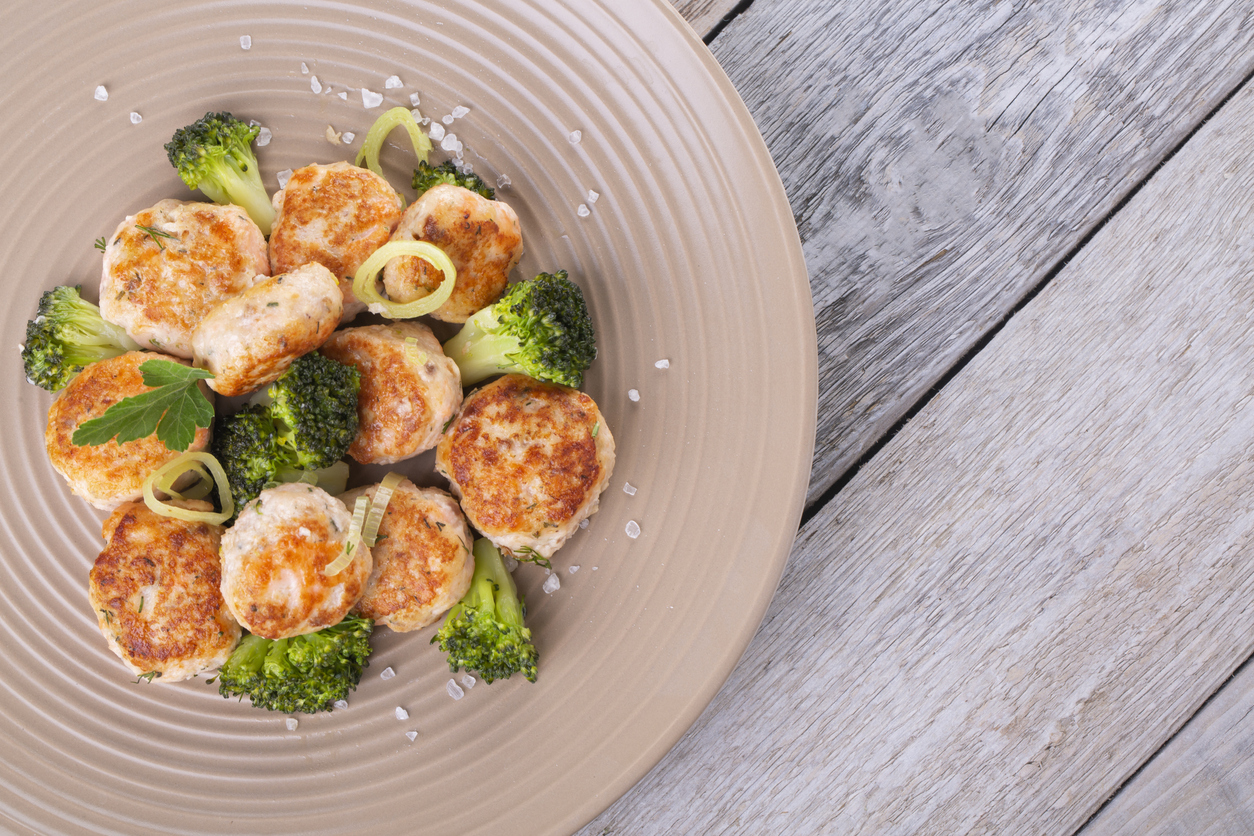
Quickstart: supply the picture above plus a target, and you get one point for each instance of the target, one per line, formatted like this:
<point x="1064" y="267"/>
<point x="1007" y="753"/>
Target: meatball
<point x="155" y="590"/>
<point x="409" y="389"/>
<point x="482" y="238"/>
<point x="274" y="562"/>
<point x="422" y="559"/>
<point x="168" y="266"/>
<point x="336" y="215"/>
<point x="528" y="459"/>
<point x="249" y="340"/>
<point x="110" y="473"/>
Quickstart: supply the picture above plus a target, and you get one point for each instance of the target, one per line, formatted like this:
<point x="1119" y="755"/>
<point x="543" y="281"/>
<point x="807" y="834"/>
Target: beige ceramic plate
<point x="689" y="255"/>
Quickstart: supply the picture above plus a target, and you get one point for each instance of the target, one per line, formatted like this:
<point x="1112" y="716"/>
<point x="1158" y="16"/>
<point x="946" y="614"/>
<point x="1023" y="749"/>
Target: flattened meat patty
<point x="528" y="460"/>
<point x="422" y="559"/>
<point x="110" y="473"/>
<point x="156" y="592"/>
<point x="166" y="267"/>
<point x="482" y="238"/>
<point x="335" y="215"/>
<point x="274" y="560"/>
<point x="409" y="389"/>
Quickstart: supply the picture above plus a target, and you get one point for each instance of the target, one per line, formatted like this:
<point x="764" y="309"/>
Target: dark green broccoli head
<point x="540" y="328"/>
<point x="214" y="154"/>
<point x="484" y="631"/>
<point x="427" y="176"/>
<point x="66" y="334"/>
<point x="304" y="674"/>
<point x="247" y="446"/>
<point x="314" y="407"/>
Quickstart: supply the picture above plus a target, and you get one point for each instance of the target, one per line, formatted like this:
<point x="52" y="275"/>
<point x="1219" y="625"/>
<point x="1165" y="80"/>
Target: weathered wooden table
<point x="1020" y="600"/>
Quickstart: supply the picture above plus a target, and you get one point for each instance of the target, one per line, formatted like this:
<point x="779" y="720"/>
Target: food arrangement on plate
<point x="233" y="546"/>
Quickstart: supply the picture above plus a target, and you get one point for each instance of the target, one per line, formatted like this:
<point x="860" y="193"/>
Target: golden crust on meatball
<point x="109" y="473"/>
<point x="156" y="592"/>
<point x="529" y="460"/>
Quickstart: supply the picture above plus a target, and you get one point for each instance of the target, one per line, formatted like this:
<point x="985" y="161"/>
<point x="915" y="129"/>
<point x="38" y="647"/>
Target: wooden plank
<point x="704" y="15"/>
<point x="1199" y="784"/>
<point x="943" y="157"/>
<point x="1038" y="580"/>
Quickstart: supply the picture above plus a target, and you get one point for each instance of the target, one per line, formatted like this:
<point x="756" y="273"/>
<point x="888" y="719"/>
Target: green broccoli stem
<point x="244" y="189"/>
<point x="478" y="353"/>
<point x="488" y="559"/>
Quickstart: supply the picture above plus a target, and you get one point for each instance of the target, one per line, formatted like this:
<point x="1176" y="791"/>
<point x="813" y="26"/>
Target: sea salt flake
<point x="401" y="714"/>
<point x="502" y="180"/>
<point x="552" y="583"/>
<point x="662" y="364"/>
<point x="340" y="705"/>
<point x="454" y="690"/>
<point x="343" y="94"/>
<point x="629" y="489"/>
<point x="582" y="211"/>
<point x="263" y="138"/>
<point x="292" y="723"/>
<point x="283" y="176"/>
<point x="511" y="562"/>
<point x="414" y="100"/>
<point x="592" y="196"/>
<point x="102" y="95"/>
<point x="348" y="137"/>
<point x="459" y="111"/>
<point x="245" y="42"/>
<point x="387" y="673"/>
<point x="136" y="118"/>
<point x="370" y="98"/>
<point x="304" y="68"/>
<point x="447" y="119"/>
<point x="632" y="529"/>
<point x="633" y="395"/>
<point x="469" y="681"/>
<point x="583" y="523"/>
<point x="314" y="84"/>
<point x="412" y="735"/>
<point x="392" y="82"/>
<point x="573" y="569"/>
<point x="450" y="143"/>
<point x="437" y="131"/>
<point x="575" y="136"/>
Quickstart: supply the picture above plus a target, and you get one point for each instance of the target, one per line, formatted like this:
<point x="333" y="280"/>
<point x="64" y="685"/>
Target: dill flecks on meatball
<point x="168" y="266"/>
<point x="156" y="592"/>
<point x="529" y="460"/>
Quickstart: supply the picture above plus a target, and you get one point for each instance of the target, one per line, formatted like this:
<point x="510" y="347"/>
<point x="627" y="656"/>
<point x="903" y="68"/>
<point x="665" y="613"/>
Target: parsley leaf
<point x="174" y="409"/>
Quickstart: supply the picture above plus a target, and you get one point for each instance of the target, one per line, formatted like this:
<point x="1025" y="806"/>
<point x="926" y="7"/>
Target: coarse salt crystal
<point x="511" y="562"/>
<point x="552" y="583"/>
<point x="412" y="735"/>
<point x="392" y="82"/>
<point x="102" y="95"/>
<point x="575" y="136"/>
<point x="629" y="489"/>
<point x="245" y="42"/>
<point x="468" y="681"/>
<point x="370" y="98"/>
<point x="447" y="119"/>
<point x="292" y="723"/>
<point x="340" y="704"/>
<point x="314" y="84"/>
<point x="414" y="100"/>
<point x="450" y="143"/>
<point x="263" y="138"/>
<point x="582" y="211"/>
<point x="632" y="529"/>
<point x="583" y="523"/>
<point x="343" y="94"/>
<point x="573" y="569"/>
<point x="502" y="180"/>
<point x="283" y="176"/>
<point x="136" y="118"/>
<point x="348" y="137"/>
<point x="662" y="364"/>
<point x="304" y="68"/>
<point x="437" y="131"/>
<point x="592" y="196"/>
<point x="633" y="395"/>
<point x="401" y="714"/>
<point x="459" y="111"/>
<point x="387" y="673"/>
<point x="454" y="690"/>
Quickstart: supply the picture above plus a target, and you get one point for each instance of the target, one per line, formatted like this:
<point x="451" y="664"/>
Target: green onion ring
<point x="373" y="143"/>
<point x="196" y="462"/>
<point x="350" y="543"/>
<point x="364" y="279"/>
<point x="382" y="495"/>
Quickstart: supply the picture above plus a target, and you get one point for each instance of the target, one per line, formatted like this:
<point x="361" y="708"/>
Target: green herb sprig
<point x="174" y="409"/>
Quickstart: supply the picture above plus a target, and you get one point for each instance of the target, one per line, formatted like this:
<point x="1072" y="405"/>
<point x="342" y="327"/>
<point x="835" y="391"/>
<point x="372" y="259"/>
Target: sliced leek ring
<point x="364" y="279"/>
<point x="379" y="504"/>
<point x="350" y="543"/>
<point x="397" y="117"/>
<point x="168" y="474"/>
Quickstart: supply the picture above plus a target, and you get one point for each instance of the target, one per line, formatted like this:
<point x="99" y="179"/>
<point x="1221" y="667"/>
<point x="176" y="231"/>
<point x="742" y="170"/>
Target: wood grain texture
<point x="943" y="157"/>
<point x="704" y="15"/>
<point x="1038" y="580"/>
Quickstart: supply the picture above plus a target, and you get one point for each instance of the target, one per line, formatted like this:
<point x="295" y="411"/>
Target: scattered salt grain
<point x="632" y="529"/>
<point x="454" y="690"/>
<point x="575" y="136"/>
<point x="304" y="68"/>
<point x="592" y="196"/>
<point x="283" y="176"/>
<point x="392" y="82"/>
<point x="450" y="144"/>
<point x="348" y="137"/>
<point x="459" y="111"/>
<point x="414" y="100"/>
<point x="582" y="211"/>
<point x="502" y="180"/>
<point x="102" y="95"/>
<point x="401" y="714"/>
<point x="573" y="569"/>
<point x="343" y="94"/>
<point x="263" y="137"/>
<point x="412" y="735"/>
<point x="629" y="489"/>
<point x="583" y="523"/>
<point x="447" y="119"/>
<point x="245" y="42"/>
<point x="314" y="84"/>
<point x="370" y="98"/>
<point x="437" y="131"/>
<point x="387" y="673"/>
<point x="511" y="562"/>
<point x="292" y="723"/>
<point x="468" y="681"/>
<point x="552" y="583"/>
<point x="340" y="705"/>
<point x="633" y="395"/>
<point x="662" y="364"/>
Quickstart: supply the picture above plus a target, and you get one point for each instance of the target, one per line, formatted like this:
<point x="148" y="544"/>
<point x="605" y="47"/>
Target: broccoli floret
<point x="540" y="328"/>
<point x="247" y="446"/>
<point x="484" y="631"/>
<point x="314" y="407"/>
<point x="66" y="334"/>
<point x="427" y="176"/>
<point x="300" y="674"/>
<point x="214" y="154"/>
